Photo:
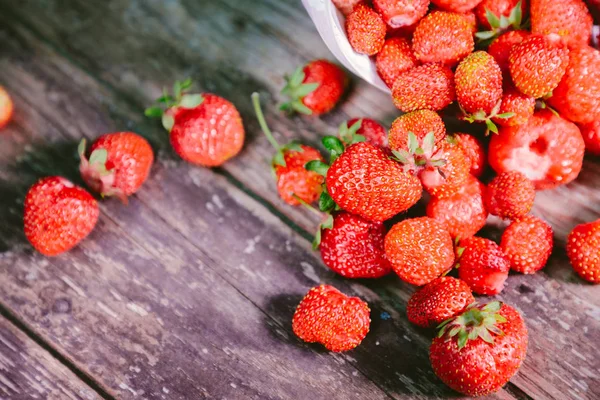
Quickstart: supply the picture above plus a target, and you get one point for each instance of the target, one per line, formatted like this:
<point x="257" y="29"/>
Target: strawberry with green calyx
<point x="420" y="123"/>
<point x="371" y="130"/>
<point x="172" y="102"/>
<point x="348" y="132"/>
<point x="499" y="24"/>
<point x="418" y="157"/>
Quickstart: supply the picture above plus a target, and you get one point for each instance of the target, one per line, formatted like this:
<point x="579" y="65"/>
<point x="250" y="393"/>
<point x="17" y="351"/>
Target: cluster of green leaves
<point x="296" y="90"/>
<point x="481" y="116"/>
<point x="177" y="99"/>
<point x="501" y="24"/>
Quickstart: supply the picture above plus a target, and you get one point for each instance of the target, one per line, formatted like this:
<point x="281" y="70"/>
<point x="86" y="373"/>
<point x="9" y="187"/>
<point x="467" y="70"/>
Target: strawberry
<point x="548" y="150"/>
<point x="205" y="129"/>
<point x="419" y="123"/>
<point x="527" y="243"/>
<point x="474" y="152"/>
<point x="440" y="299"/>
<point x="401" y="13"/>
<point x="395" y="57"/>
<point x="567" y="18"/>
<point x="483" y="265"/>
<point x="426" y="87"/>
<point x="419" y="249"/>
<point x="463" y="214"/>
<point x="6" y="107"/>
<point x="517" y="106"/>
<point x="327" y="316"/>
<point x="500" y="10"/>
<point x="471" y="20"/>
<point x="366" y="30"/>
<point x="501" y="47"/>
<point x="365" y="182"/>
<point x="510" y="195"/>
<point x="353" y="247"/>
<point x="577" y="96"/>
<point x="537" y="65"/>
<point x="458" y="6"/>
<point x="368" y="128"/>
<point x="583" y="249"/>
<point x="443" y="37"/>
<point x="478" y="86"/>
<point x="119" y="164"/>
<point x="591" y="136"/>
<point x="446" y="180"/>
<point x="314" y="89"/>
<point x="58" y="215"/>
<point x="295" y="184"/>
<point x="345" y="6"/>
<point x="477" y="352"/>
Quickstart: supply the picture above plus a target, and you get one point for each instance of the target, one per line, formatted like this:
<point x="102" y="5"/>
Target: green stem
<point x="262" y="122"/>
<point x="307" y="206"/>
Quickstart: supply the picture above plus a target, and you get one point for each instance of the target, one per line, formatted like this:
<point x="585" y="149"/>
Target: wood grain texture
<point x="85" y="69"/>
<point x="29" y="372"/>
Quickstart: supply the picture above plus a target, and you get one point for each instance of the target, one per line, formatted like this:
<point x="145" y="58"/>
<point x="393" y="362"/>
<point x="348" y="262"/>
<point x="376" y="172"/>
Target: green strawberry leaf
<point x="294" y="146"/>
<point x="326" y="203"/>
<point x="305" y="89"/>
<point x="328" y="223"/>
<point x="98" y="156"/>
<point x="402" y="156"/>
<point x="297" y="77"/>
<point x="168" y="122"/>
<point x="301" y="108"/>
<point x="279" y="158"/>
<point x="516" y="16"/>
<point x="504" y="22"/>
<point x="413" y="143"/>
<point x="485" y="35"/>
<point x="506" y="115"/>
<point x="355" y="127"/>
<point x="491" y="126"/>
<point x="153" y="112"/>
<point x="191" y="100"/>
<point x="493" y="20"/>
<point x="81" y="148"/>
<point x="358" y="139"/>
<point x="317" y="240"/>
<point x="317" y="166"/>
<point x="334" y="145"/>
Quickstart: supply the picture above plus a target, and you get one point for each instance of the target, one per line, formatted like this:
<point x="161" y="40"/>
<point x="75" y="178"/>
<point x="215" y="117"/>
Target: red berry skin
<point x="498" y="8"/>
<point x="591" y="137"/>
<point x="332" y="82"/>
<point x="547" y="149"/>
<point x="366" y="30"/>
<point x="58" y="215"/>
<point x="419" y="249"/>
<point x="458" y="6"/>
<point x="501" y="47"/>
<point x="483" y="266"/>
<point x="527" y="243"/>
<point x="395" y="57"/>
<point x="426" y="87"/>
<point x="365" y="182"/>
<point x="443" y="37"/>
<point x="6" y="107"/>
<point x="462" y="214"/>
<point x="439" y="300"/>
<point x="567" y="18"/>
<point x="510" y="195"/>
<point x="583" y="249"/>
<point x="353" y="248"/>
<point x="517" y="103"/>
<point x="345" y="6"/>
<point x="478" y="83"/>
<point x="474" y="151"/>
<point x="455" y="172"/>
<point x="294" y="179"/>
<point x="401" y="13"/>
<point x="484" y="367"/>
<point x="208" y="134"/>
<point x="420" y="123"/>
<point x="327" y="316"/>
<point x="577" y="96"/>
<point x="372" y="130"/>
<point x="537" y="65"/>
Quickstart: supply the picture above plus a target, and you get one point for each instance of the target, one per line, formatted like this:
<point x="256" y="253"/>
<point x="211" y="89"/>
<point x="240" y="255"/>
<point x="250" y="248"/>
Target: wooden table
<point x="188" y="292"/>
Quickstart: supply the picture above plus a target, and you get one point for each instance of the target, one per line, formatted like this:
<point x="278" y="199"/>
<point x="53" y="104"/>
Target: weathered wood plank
<point x="29" y="372"/>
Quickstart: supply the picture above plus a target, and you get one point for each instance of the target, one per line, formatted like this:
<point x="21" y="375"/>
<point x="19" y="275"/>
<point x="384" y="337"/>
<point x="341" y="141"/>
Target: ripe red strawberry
<point x="446" y="180"/>
<point x="426" y="87"/>
<point x="205" y="129"/>
<point x="439" y="300"/>
<point x="548" y="150"/>
<point x="395" y="57"/>
<point x="58" y="215"/>
<point x="463" y="214"/>
<point x="520" y="106"/>
<point x="567" y="18"/>
<point x="583" y="249"/>
<point x="483" y="265"/>
<point x="6" y="107"/>
<point x="293" y="179"/>
<point x="591" y="136"/>
<point x="474" y="152"/>
<point x="327" y="316"/>
<point x="498" y="8"/>
<point x="119" y="164"/>
<point x="478" y="84"/>
<point x="510" y="195"/>
<point x="420" y="123"/>
<point x="370" y="129"/>
<point x="577" y="97"/>
<point x="527" y="244"/>
<point x="477" y="352"/>
<point x="501" y="47"/>
<point x="443" y="37"/>
<point x="458" y="6"/>
<point x="537" y="65"/>
<point x="366" y="30"/>
<point x="314" y="89"/>
<point x="365" y="182"/>
<point x="353" y="247"/>
<point x="471" y="20"/>
<point x="401" y="13"/>
<point x="419" y="249"/>
<point x="346" y="6"/>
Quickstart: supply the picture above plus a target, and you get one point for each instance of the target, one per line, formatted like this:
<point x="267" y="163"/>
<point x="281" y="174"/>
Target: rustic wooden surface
<point x="188" y="292"/>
